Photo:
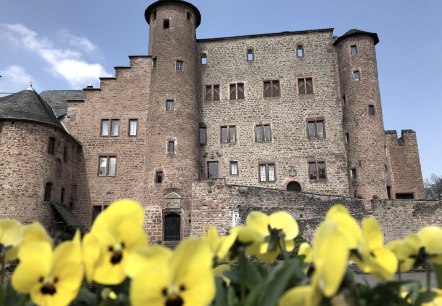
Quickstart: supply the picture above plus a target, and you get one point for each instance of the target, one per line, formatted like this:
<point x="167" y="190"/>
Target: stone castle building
<point x="198" y="128"/>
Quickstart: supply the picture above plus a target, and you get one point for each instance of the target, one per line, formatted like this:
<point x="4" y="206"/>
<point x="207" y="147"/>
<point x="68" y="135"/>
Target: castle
<point x="199" y="127"/>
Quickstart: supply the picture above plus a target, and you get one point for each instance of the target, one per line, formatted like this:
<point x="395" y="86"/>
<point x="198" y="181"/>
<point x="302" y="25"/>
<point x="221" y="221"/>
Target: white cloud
<point x="79" y="42"/>
<point x="14" y="78"/>
<point x="66" y="63"/>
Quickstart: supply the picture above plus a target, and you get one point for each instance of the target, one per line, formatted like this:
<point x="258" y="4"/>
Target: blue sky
<point x="68" y="44"/>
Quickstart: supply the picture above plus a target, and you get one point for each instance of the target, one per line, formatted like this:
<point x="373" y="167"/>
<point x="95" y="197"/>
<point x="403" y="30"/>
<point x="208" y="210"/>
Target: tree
<point x="433" y="186"/>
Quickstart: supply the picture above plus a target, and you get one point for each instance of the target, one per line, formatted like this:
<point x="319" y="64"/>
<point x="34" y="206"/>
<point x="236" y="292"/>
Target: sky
<point x="69" y="44"/>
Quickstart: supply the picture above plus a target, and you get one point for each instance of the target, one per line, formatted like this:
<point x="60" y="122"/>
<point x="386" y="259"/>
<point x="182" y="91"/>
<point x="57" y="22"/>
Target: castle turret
<point x="363" y="123"/>
<point x="172" y="126"/>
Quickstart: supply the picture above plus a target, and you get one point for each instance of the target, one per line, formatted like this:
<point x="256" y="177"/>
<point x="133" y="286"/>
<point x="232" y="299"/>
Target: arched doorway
<point x="172" y="227"/>
<point x="294" y="186"/>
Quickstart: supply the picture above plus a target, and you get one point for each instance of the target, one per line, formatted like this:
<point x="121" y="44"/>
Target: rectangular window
<point x="133" y="127"/>
<point x="212" y="169"/>
<point x="316" y="171"/>
<point x="65" y="154"/>
<point x="108" y="166"/>
<point x="48" y="189"/>
<point x="51" y="145"/>
<point x="305" y="86"/>
<point x="233" y="168"/>
<point x="179" y="65"/>
<point x="267" y="172"/>
<point x="299" y="51"/>
<point x="315" y="129"/>
<point x="353" y="50"/>
<point x="371" y="110"/>
<point x="228" y="134"/>
<point x="115" y="127"/>
<point x="204" y="59"/>
<point x="354" y="174"/>
<point x="271" y="89"/>
<point x="356" y="75"/>
<point x="159" y="177"/>
<point x="211" y="93"/>
<point x="203" y="135"/>
<point x="166" y="23"/>
<point x="170" y="105"/>
<point x="347" y="138"/>
<point x="250" y="55"/>
<point x="170" y="146"/>
<point x="105" y="127"/>
<point x="237" y="91"/>
<point x="263" y="133"/>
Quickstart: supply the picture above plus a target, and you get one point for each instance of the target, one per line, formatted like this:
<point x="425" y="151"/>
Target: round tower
<point x="363" y="123"/>
<point x="172" y="125"/>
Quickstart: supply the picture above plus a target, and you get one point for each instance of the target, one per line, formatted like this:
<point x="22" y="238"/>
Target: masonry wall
<point x="124" y="97"/>
<point x="289" y="149"/>
<point x="403" y="155"/>
<point x="225" y="206"/>
<point x="26" y="167"/>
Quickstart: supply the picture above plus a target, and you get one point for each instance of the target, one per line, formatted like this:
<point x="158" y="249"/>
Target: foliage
<point x="264" y="262"/>
<point x="433" y="187"/>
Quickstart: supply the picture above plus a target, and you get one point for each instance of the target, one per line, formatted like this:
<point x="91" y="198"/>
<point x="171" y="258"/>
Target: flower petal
<point x="285" y="222"/>
<point x="259" y="222"/>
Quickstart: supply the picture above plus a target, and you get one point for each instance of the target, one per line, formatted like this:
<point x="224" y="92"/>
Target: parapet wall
<point x="225" y="206"/>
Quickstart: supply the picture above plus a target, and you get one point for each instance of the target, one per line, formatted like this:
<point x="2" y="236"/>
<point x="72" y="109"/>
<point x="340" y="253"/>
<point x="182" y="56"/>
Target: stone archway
<point x="294" y="186"/>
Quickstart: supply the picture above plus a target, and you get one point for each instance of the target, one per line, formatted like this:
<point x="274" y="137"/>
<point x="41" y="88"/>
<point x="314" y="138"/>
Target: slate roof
<point x="354" y="32"/>
<point x="27" y="105"/>
<point x="57" y="99"/>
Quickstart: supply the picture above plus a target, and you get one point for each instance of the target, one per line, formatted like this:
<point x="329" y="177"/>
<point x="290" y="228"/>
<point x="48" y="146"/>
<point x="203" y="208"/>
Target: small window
<point x="267" y="172"/>
<point x="315" y="129"/>
<point x="305" y="86"/>
<point x="347" y="138"/>
<point x="204" y="59"/>
<point x="316" y="171"/>
<point x="105" y="127"/>
<point x="263" y="133"/>
<point x="48" y="189"/>
<point x="233" y="168"/>
<point x="386" y="167"/>
<point x="271" y="89"/>
<point x="353" y="50"/>
<point x="115" y="127"/>
<point x="228" y="134"/>
<point x="133" y="127"/>
<point x="159" y="177"/>
<point x="166" y="24"/>
<point x="354" y="174"/>
<point x="211" y="93"/>
<point x="170" y="146"/>
<point x="51" y="145"/>
<point x="65" y="154"/>
<point x="170" y="105"/>
<point x="250" y="55"/>
<point x="108" y="166"/>
<point x="299" y="51"/>
<point x="188" y="15"/>
<point x="212" y="170"/>
<point x="356" y="75"/>
<point x="203" y="135"/>
<point x="179" y="65"/>
<point x="154" y="62"/>
<point x="237" y="91"/>
<point x="371" y="110"/>
<point x="62" y="196"/>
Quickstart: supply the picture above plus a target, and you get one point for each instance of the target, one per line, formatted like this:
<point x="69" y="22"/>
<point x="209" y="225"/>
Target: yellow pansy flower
<point x="375" y="258"/>
<point x="11" y="234"/>
<point x="183" y="278"/>
<point x="301" y="296"/>
<point x="51" y="277"/>
<point x="401" y="249"/>
<point x="35" y="232"/>
<point x="350" y="227"/>
<point x="116" y="232"/>
<point x="305" y="250"/>
<point x="274" y="231"/>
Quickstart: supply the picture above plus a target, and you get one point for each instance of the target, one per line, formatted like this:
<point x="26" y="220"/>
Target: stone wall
<point x="225" y="206"/>
<point x="290" y="149"/>
<point x="26" y="167"/>
<point x="405" y="164"/>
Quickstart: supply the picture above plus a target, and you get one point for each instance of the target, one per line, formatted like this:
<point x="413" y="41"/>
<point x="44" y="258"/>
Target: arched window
<point x="172" y="226"/>
<point x="293" y="186"/>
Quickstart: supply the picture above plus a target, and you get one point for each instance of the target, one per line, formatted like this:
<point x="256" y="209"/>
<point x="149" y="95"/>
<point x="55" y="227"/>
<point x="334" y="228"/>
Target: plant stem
<point x="242" y="259"/>
<point x="283" y="249"/>
<point x="3" y="259"/>
<point x="399" y="276"/>
<point x="427" y="266"/>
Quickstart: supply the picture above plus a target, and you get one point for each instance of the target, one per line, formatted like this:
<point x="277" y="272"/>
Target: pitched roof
<point x="57" y="99"/>
<point x="27" y="105"/>
<point x="354" y="32"/>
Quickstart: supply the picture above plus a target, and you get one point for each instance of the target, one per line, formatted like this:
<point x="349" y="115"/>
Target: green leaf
<point x="438" y="272"/>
